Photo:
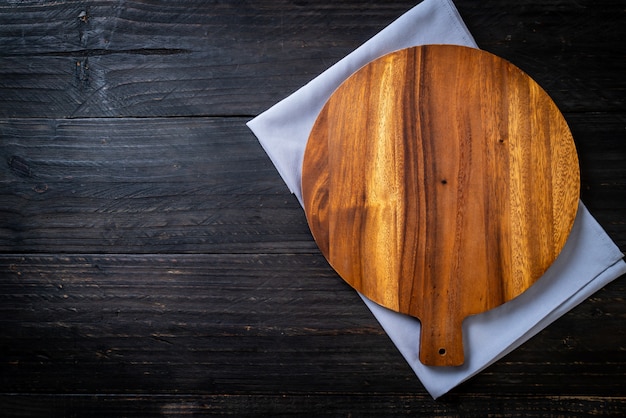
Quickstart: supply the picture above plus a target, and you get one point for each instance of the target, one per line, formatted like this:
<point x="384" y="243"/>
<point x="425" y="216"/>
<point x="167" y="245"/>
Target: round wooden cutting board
<point x="440" y="181"/>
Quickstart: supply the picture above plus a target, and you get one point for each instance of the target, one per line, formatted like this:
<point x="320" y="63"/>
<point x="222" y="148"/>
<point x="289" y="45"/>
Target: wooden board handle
<point x="441" y="344"/>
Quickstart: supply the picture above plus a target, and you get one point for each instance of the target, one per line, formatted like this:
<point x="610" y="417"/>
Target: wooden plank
<point x="142" y="59"/>
<point x="319" y="405"/>
<point x="215" y="324"/>
<point x="164" y="151"/>
<point x="142" y="185"/>
<point x="71" y="59"/>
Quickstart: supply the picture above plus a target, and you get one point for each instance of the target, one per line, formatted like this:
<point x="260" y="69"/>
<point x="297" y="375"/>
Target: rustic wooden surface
<point x="152" y="262"/>
<point x="439" y="196"/>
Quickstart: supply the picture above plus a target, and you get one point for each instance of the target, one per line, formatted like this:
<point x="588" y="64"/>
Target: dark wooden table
<point x="153" y="263"/>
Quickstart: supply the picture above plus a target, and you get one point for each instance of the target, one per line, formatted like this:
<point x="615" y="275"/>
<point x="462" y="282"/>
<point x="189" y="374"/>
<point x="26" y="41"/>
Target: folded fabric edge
<point x="270" y="154"/>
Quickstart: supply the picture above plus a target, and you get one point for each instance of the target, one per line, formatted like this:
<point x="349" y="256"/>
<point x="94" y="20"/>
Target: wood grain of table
<point x="153" y="263"/>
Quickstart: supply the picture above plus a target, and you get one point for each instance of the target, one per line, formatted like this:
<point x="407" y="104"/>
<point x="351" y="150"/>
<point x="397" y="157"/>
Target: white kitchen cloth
<point x="588" y="261"/>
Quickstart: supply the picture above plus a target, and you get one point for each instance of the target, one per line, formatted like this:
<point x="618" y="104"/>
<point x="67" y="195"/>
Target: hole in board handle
<point x="442" y="351"/>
